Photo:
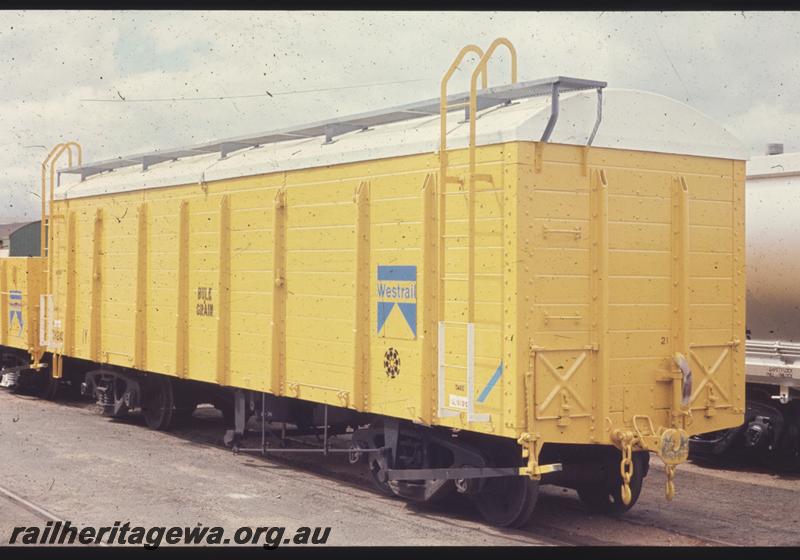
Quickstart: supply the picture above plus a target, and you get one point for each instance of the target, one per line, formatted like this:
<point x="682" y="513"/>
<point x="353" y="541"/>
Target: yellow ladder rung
<point x="450" y="179"/>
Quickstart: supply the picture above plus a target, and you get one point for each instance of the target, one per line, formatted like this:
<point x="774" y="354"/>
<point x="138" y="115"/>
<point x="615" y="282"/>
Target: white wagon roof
<point x="631" y="120"/>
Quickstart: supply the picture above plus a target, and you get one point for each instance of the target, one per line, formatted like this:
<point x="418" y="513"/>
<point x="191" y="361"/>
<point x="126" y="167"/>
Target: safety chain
<point x="626" y="467"/>
<point x="670" y="479"/>
<point x="671" y="445"/>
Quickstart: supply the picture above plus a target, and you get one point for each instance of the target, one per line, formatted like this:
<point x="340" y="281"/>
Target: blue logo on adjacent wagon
<point x="397" y="287"/>
<point x="15" y="309"/>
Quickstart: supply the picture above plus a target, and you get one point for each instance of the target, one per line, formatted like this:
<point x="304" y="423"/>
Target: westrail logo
<point x="15" y="309"/>
<point x="397" y="287"/>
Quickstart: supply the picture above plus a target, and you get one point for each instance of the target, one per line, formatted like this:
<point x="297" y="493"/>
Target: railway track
<point x="553" y="525"/>
<point x="25" y="504"/>
<point x="20" y="507"/>
<point x="550" y="534"/>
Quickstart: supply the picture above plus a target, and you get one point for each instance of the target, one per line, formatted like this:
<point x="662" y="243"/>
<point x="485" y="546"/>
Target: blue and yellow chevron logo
<point x="397" y="287"/>
<point x="15" y="309"/>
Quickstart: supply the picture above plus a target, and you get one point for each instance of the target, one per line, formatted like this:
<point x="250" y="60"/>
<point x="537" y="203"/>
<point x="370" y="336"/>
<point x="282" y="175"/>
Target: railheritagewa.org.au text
<point x="62" y="533"/>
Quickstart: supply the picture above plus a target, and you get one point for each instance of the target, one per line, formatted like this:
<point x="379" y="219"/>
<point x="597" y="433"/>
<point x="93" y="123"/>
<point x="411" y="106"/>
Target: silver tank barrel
<point x="773" y="268"/>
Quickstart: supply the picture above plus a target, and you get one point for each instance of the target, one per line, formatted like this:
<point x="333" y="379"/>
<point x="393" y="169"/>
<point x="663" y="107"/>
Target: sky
<point x="738" y="68"/>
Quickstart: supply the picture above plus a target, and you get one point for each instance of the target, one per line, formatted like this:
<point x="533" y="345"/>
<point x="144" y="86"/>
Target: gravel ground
<point x="89" y="469"/>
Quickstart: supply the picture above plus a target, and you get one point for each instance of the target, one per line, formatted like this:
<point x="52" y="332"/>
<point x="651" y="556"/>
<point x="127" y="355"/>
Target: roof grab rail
<point x="599" y="117"/>
<point x="555" y="97"/>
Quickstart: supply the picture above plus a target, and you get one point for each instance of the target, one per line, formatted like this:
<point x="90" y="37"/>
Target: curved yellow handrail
<point x="67" y="146"/>
<point x="50" y="230"/>
<point x="47" y="233"/>
<point x="443" y="92"/>
<point x="482" y="70"/>
<point x="442" y="183"/>
<point x="54" y="154"/>
<point x="43" y="236"/>
<point x="78" y="148"/>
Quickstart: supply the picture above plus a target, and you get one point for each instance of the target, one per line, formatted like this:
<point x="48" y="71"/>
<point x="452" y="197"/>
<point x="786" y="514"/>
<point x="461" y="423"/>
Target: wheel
<point x="606" y="497"/>
<point x="158" y="407"/>
<point x="507" y="501"/>
<point x="382" y="486"/>
<point x="371" y="437"/>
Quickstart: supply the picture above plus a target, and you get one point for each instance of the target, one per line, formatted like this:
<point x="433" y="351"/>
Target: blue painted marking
<point x="18" y="315"/>
<point x="492" y="382"/>
<point x="410" y="313"/>
<point x="397" y="285"/>
<point x="15" y="303"/>
<point x="398" y="273"/>
<point x="384" y="308"/>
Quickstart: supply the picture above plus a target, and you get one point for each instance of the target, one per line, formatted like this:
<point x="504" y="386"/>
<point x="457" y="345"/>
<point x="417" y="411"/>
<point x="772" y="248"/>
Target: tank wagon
<point x="533" y="283"/>
<point x="771" y="430"/>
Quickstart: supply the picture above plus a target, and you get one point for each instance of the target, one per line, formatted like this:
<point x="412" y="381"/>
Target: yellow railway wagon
<point x="20" y="290"/>
<point x="495" y="288"/>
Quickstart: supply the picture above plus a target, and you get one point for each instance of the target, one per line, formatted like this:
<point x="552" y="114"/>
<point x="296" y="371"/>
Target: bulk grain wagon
<point x="534" y="283"/>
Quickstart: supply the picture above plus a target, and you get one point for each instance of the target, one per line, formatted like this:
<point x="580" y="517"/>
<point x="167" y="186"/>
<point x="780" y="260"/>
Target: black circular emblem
<point x="391" y="362"/>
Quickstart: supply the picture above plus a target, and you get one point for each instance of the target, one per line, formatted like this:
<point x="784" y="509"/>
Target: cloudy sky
<point x="739" y="68"/>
